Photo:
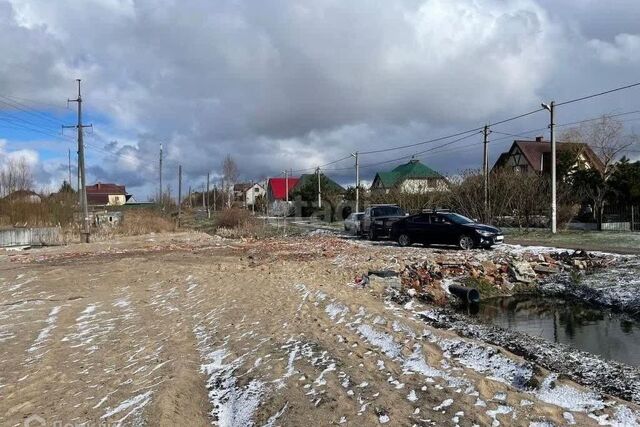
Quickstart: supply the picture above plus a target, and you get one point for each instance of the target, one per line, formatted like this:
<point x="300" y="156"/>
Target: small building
<point x="108" y="219"/>
<point x="412" y="177"/>
<point x="277" y="188"/>
<point x="248" y="193"/>
<point x="102" y="194"/>
<point x="24" y="196"/>
<point x="535" y="156"/>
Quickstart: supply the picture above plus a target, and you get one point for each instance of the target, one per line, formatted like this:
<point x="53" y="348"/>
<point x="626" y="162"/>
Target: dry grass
<point x="233" y="218"/>
<point x="51" y="211"/>
<point x="136" y="222"/>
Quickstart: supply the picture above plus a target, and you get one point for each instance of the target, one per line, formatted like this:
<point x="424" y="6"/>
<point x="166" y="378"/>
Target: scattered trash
<point x="361" y="280"/>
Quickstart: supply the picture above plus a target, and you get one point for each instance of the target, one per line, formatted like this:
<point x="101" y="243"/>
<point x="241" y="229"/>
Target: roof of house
<point x="106" y="188"/>
<point x="535" y="151"/>
<point x="22" y="194"/>
<point x="411" y="170"/>
<point x="277" y="186"/>
<point x="304" y="179"/>
<point x="97" y="198"/>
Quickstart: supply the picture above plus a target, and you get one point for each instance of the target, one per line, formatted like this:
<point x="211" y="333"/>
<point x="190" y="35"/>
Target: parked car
<point x="445" y="227"/>
<point x="377" y="220"/>
<point x="352" y="223"/>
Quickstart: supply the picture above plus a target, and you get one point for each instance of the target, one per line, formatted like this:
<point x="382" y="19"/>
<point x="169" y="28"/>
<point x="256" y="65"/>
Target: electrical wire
<point x="571" y="101"/>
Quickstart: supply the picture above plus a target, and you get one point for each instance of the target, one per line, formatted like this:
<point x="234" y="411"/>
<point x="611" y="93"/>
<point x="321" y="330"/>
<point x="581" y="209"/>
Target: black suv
<point x="444" y="227"/>
<point x="377" y="220"/>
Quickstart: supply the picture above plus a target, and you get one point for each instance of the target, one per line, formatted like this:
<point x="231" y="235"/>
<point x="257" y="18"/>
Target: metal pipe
<point x="468" y="295"/>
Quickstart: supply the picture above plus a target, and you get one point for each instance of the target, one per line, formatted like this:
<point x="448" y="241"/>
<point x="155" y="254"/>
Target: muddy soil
<point x="186" y="329"/>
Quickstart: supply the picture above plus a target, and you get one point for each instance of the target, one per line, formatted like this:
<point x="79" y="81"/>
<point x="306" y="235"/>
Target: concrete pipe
<point x="467" y="295"/>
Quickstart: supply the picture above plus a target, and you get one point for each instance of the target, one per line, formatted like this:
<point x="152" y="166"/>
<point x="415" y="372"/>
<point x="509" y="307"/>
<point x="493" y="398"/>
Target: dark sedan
<point x="444" y="227"/>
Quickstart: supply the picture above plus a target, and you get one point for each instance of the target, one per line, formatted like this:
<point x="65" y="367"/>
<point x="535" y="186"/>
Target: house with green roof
<point x="412" y="177"/>
<point x="326" y="182"/>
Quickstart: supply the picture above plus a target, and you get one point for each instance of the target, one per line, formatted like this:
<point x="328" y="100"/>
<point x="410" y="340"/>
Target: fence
<point x="620" y="218"/>
<point x="42" y="236"/>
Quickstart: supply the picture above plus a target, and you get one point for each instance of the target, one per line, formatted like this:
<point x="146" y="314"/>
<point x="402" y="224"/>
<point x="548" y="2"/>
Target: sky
<point x="296" y="84"/>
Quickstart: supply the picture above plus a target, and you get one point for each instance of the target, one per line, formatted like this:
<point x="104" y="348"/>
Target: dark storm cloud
<point x="282" y="84"/>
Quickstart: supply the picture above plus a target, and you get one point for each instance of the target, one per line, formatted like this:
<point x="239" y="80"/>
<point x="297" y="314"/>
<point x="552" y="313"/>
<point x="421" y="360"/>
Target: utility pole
<point x="208" y="208"/>
<point x="160" y="169"/>
<point x="551" y="108"/>
<point x="319" y="189"/>
<point x="69" y="167"/>
<point x="357" y="181"/>
<point x="179" y="193"/>
<point x="190" y="201"/>
<point x="203" y="205"/>
<point x="286" y="185"/>
<point x="485" y="170"/>
<point x="82" y="190"/>
<point x="253" y="199"/>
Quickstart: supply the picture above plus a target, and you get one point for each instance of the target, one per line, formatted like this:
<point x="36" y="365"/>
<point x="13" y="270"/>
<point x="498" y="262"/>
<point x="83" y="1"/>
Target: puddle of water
<point x="597" y="331"/>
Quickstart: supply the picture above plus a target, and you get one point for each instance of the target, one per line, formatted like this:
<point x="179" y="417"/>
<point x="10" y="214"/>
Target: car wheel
<point x="404" y="240"/>
<point x="372" y="234"/>
<point x="466" y="242"/>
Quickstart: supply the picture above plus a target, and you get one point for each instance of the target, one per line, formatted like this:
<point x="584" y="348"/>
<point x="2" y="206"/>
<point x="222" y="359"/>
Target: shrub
<point x="232" y="218"/>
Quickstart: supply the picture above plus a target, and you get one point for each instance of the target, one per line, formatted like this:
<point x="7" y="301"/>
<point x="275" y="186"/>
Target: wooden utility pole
<point x="179" y="193"/>
<point x="82" y="190"/>
<point x="208" y="207"/>
<point x="160" y="176"/>
<point x="286" y="185"/>
<point x="69" y="167"/>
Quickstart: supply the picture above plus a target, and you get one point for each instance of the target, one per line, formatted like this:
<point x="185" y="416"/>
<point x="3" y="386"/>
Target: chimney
<point x="539" y="139"/>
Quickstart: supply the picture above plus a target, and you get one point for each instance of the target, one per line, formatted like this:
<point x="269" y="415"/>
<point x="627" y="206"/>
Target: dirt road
<point x="185" y="329"/>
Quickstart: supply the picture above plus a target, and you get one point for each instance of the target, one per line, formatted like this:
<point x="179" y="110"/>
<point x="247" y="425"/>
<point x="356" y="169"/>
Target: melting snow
<point x="568" y="397"/>
<point x="44" y="333"/>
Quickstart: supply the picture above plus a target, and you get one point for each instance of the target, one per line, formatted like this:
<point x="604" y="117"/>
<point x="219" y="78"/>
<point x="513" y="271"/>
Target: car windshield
<point x="458" y="219"/>
<point x="388" y="211"/>
<point x="359" y="216"/>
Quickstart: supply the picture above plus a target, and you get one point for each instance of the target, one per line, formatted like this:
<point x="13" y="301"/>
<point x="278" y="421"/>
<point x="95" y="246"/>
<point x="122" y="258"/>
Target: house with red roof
<point x="277" y="188"/>
<point x="104" y="194"/>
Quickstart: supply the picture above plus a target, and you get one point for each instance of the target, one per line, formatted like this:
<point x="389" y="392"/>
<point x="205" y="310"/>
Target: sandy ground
<point x="185" y="329"/>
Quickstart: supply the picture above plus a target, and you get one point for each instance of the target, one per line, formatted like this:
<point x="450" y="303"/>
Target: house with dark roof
<point x="247" y="193"/>
<point x="535" y="156"/>
<point x="103" y="194"/>
<point x="24" y="196"/>
<point x="412" y="177"/>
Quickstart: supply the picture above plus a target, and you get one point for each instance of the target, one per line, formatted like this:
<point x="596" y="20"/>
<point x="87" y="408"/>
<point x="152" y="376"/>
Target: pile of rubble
<point x="501" y="271"/>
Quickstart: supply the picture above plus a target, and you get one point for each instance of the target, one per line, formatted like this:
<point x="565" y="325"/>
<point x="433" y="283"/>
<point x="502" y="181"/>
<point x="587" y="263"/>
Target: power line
<point x="19" y="106"/>
<point x="598" y="94"/>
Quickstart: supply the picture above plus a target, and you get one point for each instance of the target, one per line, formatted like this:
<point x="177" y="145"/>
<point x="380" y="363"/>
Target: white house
<point x="248" y="193"/>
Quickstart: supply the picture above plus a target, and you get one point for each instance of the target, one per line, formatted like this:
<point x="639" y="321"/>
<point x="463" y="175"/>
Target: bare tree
<point x="607" y="139"/>
<point x="229" y="176"/>
<point x="15" y="175"/>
